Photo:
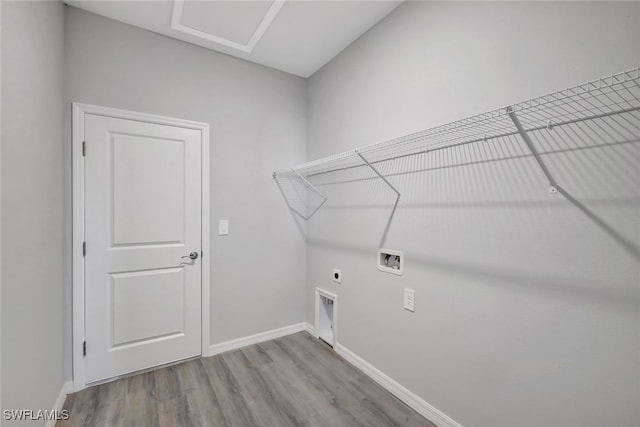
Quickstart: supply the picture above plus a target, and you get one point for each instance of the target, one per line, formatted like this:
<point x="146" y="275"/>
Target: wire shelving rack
<point x="598" y="113"/>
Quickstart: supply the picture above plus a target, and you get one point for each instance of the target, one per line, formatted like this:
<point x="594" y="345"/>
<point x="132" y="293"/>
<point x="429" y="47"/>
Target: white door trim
<point x="78" y="323"/>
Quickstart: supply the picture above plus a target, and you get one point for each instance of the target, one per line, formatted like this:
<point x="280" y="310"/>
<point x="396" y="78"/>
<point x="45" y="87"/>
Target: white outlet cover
<point x="409" y="300"/>
<point x="223" y="227"/>
<point x="337" y="275"/>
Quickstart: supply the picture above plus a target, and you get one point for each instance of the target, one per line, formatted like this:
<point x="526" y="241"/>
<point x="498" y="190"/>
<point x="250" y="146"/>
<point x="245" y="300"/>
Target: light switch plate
<point x="223" y="227"/>
<point x="409" y="299"/>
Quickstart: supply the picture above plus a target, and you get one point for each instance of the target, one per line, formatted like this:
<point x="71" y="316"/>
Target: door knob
<point x="192" y="255"/>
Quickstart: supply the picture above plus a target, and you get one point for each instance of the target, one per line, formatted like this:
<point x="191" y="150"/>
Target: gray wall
<point x="525" y="310"/>
<point x="257" y="123"/>
<point x="32" y="205"/>
<point x="527" y="313"/>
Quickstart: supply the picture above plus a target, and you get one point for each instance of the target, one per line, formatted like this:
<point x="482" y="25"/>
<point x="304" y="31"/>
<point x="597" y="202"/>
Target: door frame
<point x="78" y="229"/>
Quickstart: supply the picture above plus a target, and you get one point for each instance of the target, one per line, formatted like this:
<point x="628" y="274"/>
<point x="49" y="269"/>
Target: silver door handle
<point x="192" y="255"/>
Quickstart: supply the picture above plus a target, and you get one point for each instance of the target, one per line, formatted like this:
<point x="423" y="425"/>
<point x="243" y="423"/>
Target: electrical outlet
<point x="409" y="299"/>
<point x="337" y="275"/>
<point x="223" y="227"/>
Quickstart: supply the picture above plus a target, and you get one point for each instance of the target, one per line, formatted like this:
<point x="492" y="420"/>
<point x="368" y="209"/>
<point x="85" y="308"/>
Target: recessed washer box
<point x="391" y="261"/>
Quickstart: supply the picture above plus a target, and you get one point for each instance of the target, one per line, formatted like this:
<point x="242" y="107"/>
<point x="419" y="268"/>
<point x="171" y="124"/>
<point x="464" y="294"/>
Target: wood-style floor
<point x="291" y="381"/>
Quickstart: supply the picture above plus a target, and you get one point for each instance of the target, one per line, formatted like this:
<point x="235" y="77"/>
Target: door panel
<point x="140" y="186"/>
<point x="137" y="321"/>
<point x="142" y="216"/>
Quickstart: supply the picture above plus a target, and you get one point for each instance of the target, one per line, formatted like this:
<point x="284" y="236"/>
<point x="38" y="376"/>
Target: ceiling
<point x="295" y="36"/>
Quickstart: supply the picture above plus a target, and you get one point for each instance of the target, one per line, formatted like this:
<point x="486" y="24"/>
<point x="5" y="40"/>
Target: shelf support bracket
<point x="553" y="185"/>
<point x="395" y="190"/>
<point x="379" y="175"/>
<point x="311" y="188"/>
<point x="556" y="188"/>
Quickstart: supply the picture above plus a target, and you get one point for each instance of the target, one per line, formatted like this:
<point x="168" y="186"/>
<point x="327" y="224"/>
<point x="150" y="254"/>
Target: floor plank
<point x="291" y="381"/>
<point x="234" y="407"/>
<point x="261" y="397"/>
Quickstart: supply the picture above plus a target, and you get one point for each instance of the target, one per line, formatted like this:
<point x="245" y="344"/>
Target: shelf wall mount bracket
<point x="555" y="188"/>
<point x="553" y="185"/>
<point x="395" y="190"/>
<point x="386" y="181"/>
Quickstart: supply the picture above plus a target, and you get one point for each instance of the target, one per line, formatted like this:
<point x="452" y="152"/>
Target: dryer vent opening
<point x="326" y="317"/>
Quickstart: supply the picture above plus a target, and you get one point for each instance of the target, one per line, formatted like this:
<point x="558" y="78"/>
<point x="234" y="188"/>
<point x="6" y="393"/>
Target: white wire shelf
<point x="589" y="115"/>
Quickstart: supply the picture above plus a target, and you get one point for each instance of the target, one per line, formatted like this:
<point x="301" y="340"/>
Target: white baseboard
<point x="257" y="338"/>
<point x="59" y="403"/>
<point x="411" y="399"/>
<point x="309" y="328"/>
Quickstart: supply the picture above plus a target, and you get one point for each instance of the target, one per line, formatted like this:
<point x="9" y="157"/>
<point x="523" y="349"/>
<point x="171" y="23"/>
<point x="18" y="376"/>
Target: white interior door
<point x="142" y="220"/>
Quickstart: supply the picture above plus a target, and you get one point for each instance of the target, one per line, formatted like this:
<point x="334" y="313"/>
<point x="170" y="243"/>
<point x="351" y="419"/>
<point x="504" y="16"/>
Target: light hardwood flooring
<point x="291" y="381"/>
